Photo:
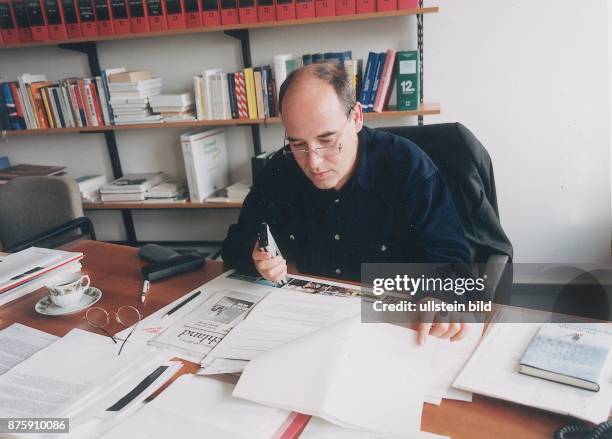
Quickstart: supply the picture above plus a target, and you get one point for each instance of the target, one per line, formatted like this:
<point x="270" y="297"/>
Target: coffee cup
<point x="67" y="289"/>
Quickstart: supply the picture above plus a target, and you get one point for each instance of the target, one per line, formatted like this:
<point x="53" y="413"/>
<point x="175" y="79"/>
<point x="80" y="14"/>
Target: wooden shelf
<point x="153" y="206"/>
<point x="424" y="110"/>
<point x="197" y="30"/>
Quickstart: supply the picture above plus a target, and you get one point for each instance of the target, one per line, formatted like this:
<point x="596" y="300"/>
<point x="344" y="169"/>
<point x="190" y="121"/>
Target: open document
<point x="19" y="342"/>
<point x="71" y="374"/>
<point x="363" y="376"/>
<point x="493" y="371"/>
<point x="200" y="407"/>
<point x="198" y="332"/>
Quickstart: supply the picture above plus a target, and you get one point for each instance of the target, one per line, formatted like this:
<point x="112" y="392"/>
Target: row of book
<point x="24" y="21"/>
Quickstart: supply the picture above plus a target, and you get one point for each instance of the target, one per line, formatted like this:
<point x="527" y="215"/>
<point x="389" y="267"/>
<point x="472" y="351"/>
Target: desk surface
<point x="116" y="271"/>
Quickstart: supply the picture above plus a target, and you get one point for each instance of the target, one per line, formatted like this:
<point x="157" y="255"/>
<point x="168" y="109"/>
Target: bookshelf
<point x="87" y="46"/>
<point x="424" y="110"/>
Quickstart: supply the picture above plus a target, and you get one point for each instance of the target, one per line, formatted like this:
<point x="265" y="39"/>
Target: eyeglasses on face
<point x="299" y="152"/>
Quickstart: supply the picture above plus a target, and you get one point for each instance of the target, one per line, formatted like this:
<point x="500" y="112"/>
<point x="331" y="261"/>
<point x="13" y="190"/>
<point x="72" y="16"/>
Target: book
<point x="249" y="80"/>
<point x="121" y="18"/>
<point x="380" y="63"/>
<point x="37" y="17"/>
<point x="21" y="19"/>
<point x="229" y="12"/>
<point x="26" y="170"/>
<point x="210" y="13"/>
<point x="285" y="10"/>
<point x="134" y="183"/>
<point x="174" y="14"/>
<point x="266" y="11"/>
<point x="365" y="6"/>
<point x="305" y="9"/>
<point x="386" y="79"/>
<point x="568" y="353"/>
<point x="87" y="18"/>
<point x="102" y="10"/>
<point x="408" y="83"/>
<point x="206" y="166"/>
<point x="368" y="79"/>
<point x="280" y="69"/>
<point x="157" y="15"/>
<point x="133" y="76"/>
<point x="346" y="7"/>
<point x="247" y="11"/>
<point x="139" y="21"/>
<point x="325" y="8"/>
<point x="8" y="26"/>
<point x="386" y="5"/>
<point x="71" y="17"/>
<point x="91" y="183"/>
<point x="55" y="20"/>
<point x="193" y="13"/>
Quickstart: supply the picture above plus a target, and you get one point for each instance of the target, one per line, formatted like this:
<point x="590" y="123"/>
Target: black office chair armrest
<point x="82" y="223"/>
<point x="493" y="271"/>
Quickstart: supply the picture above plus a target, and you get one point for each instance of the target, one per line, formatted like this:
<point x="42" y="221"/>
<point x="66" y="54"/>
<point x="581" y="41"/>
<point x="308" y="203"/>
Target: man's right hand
<point x="271" y="268"/>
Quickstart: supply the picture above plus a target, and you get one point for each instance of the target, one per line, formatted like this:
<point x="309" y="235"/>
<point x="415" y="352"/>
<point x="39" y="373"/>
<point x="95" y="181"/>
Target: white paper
<point x="282" y="316"/>
<point x="448" y="360"/>
<point x="200" y="407"/>
<point x="356" y="375"/>
<point x="58" y="378"/>
<point x="493" y="371"/>
<point x="216" y="366"/>
<point x="318" y="428"/>
<point x="19" y="342"/>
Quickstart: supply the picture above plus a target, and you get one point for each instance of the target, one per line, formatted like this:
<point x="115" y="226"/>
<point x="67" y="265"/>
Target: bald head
<point x="332" y="74"/>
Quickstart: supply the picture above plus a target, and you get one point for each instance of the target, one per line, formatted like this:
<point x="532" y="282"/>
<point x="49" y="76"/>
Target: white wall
<point x="530" y="79"/>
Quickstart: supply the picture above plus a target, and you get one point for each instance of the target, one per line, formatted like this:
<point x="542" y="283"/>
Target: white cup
<point x="67" y="289"/>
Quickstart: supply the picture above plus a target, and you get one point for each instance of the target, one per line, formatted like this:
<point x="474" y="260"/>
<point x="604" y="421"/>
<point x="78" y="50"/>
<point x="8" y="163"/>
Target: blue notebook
<point x="568" y="353"/>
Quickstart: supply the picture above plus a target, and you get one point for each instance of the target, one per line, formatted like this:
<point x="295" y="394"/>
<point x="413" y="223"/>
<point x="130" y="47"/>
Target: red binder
<point x="174" y="14"/>
<point x="55" y="20"/>
<point x="139" y="22"/>
<point x="229" y="12"/>
<point x="247" y="11"/>
<point x="266" y="11"/>
<point x="38" y="20"/>
<point x="21" y="19"/>
<point x="157" y="15"/>
<point x="285" y="10"/>
<point x="1" y="39"/>
<point x="305" y="8"/>
<point x="193" y="13"/>
<point x="71" y="18"/>
<point x="102" y="10"/>
<point x="8" y="27"/>
<point x="386" y="5"/>
<point x="325" y="8"/>
<point x="365" y="6"/>
<point x="210" y="13"/>
<point x="87" y="18"/>
<point x="407" y="4"/>
<point x="346" y="7"/>
<point x="121" y="17"/>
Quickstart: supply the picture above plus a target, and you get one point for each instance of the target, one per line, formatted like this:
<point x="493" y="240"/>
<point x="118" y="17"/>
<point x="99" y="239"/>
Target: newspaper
<point x="201" y="330"/>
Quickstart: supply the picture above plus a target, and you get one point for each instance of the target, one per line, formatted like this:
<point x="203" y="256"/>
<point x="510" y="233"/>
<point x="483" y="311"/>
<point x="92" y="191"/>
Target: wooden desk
<point x="116" y="271"/>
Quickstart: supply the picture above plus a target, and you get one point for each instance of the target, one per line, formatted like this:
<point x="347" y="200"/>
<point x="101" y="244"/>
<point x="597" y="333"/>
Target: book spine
<point x="285" y="10"/>
<point x="55" y="20"/>
<point x="305" y="9"/>
<point x="325" y="8"/>
<point x="175" y="14"/>
<point x="8" y="30"/>
<point x="377" y="74"/>
<point x="383" y="88"/>
<point x="157" y="15"/>
<point x="19" y="105"/>
<point x="241" y="96"/>
<point x="80" y="104"/>
<point x="250" y="92"/>
<point x="365" y="6"/>
<point x="193" y="13"/>
<point x="139" y="21"/>
<point x="109" y="108"/>
<point x="190" y="171"/>
<point x="65" y="106"/>
<point x="266" y="10"/>
<point x="87" y="103"/>
<point x="5" y="119"/>
<point x="408" y="86"/>
<point x="103" y="100"/>
<point x="9" y="105"/>
<point x="57" y="108"/>
<point x="259" y="94"/>
<point x="345" y="7"/>
<point x="247" y="11"/>
<point x="211" y="14"/>
<point x="231" y="84"/>
<point x="264" y="89"/>
<point x="21" y="18"/>
<point x="229" y="12"/>
<point x="386" y="5"/>
<point x="71" y="17"/>
<point x="367" y="80"/>
<point x="39" y="107"/>
<point x="74" y="105"/>
<point x="104" y="22"/>
<point x="121" y="17"/>
<point x="96" y="103"/>
<point x="87" y="18"/>
<point x="44" y="93"/>
<point x="38" y="20"/>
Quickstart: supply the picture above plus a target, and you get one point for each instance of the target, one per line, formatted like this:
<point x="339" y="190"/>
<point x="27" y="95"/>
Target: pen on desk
<point x="145" y="290"/>
<point x="183" y="303"/>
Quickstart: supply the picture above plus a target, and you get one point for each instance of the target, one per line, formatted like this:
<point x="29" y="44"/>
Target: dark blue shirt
<point x="395" y="207"/>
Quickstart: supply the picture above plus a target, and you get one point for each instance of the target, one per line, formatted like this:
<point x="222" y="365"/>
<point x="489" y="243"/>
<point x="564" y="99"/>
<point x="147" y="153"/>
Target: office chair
<point x="466" y="167"/>
<point x="41" y="211"/>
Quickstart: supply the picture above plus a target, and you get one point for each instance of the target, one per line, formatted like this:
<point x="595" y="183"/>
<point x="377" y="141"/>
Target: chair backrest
<point x="467" y="169"/>
<point x="30" y="206"/>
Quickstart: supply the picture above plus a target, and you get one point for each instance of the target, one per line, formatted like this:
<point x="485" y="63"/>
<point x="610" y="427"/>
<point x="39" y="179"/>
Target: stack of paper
<point x="364" y="376"/>
<point x="19" y="342"/>
<point x="80" y="376"/>
<point x="318" y="428"/>
<point x="200" y="407"/>
<point x="493" y="371"/>
<point x="131" y="187"/>
<point x="28" y="270"/>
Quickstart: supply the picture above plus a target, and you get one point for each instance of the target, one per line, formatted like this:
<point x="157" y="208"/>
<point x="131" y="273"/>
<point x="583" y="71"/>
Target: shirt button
<point x="337" y="237"/>
<point x="337" y="200"/>
<point x="338" y="271"/>
<point x="383" y="248"/>
<point x="291" y="237"/>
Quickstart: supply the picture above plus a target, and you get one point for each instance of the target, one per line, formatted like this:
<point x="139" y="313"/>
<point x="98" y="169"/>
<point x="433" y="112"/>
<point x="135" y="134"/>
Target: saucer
<point x="47" y="308"/>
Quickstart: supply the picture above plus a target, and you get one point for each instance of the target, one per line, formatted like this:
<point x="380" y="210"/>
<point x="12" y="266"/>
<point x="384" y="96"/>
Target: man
<point x="340" y="194"/>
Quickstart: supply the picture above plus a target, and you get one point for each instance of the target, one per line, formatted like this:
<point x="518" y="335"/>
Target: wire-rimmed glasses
<point x="125" y="315"/>
<point x="322" y="151"/>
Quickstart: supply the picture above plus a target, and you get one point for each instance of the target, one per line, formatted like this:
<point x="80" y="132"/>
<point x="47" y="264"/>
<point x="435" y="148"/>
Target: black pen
<point x="183" y="303"/>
